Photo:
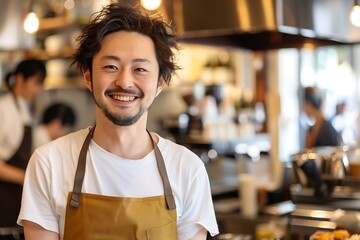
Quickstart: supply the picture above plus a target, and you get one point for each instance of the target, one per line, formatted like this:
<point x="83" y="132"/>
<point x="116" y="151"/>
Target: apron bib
<point x="10" y="193"/>
<point x="98" y="217"/>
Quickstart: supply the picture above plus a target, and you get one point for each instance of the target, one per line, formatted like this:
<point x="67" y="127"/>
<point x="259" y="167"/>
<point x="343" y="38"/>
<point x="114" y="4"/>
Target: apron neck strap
<point x="80" y="173"/>
<point x="169" y="197"/>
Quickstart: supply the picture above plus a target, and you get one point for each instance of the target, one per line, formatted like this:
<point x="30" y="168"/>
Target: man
<point x="116" y="180"/>
<point x="321" y="133"/>
<point x="58" y="120"/>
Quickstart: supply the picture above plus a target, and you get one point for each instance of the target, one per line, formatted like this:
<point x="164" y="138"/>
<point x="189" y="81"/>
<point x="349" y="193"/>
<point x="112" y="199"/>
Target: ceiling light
<point x="151" y="4"/>
<point x="31" y="23"/>
<point x="355" y="14"/>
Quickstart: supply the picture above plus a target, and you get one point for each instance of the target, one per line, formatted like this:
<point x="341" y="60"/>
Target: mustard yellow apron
<point x="91" y="216"/>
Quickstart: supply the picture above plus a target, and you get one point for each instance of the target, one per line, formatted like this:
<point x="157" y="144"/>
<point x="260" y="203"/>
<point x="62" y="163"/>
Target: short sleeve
<point x="198" y="208"/>
<point x="36" y="203"/>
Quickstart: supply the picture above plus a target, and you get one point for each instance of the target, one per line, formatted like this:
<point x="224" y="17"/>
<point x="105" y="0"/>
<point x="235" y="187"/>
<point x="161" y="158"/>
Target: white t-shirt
<point x="51" y="170"/>
<point x="12" y="120"/>
<point x="40" y="136"/>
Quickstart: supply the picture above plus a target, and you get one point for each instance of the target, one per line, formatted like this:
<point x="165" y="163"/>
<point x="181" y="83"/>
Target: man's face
<point x="125" y="77"/>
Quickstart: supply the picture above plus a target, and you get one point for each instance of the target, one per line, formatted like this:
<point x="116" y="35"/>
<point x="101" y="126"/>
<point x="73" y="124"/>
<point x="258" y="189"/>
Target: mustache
<point x="124" y="91"/>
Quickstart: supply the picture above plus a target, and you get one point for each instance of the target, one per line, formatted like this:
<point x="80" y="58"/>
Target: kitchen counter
<point x="223" y="174"/>
<point x="343" y="197"/>
<point x="200" y="143"/>
<point x="302" y="215"/>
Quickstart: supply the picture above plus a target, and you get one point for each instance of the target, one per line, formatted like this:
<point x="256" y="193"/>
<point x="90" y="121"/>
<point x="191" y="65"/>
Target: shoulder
<point x="58" y="158"/>
<point x="179" y="157"/>
<point x="5" y="97"/>
<point x="177" y="150"/>
<point x="6" y="102"/>
<point x="68" y="144"/>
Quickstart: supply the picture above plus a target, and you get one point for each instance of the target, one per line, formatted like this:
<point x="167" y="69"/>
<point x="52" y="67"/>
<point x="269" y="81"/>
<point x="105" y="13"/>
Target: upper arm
<point x="200" y="235"/>
<point x="197" y="215"/>
<point x="34" y="231"/>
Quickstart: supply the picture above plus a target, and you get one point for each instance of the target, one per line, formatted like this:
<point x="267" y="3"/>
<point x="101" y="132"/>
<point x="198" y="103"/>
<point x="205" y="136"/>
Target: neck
<point x="131" y="142"/>
<point x="17" y="92"/>
<point x="319" y="117"/>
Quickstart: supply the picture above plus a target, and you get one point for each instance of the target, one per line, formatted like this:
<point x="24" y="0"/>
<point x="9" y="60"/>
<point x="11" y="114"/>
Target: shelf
<point x="55" y="23"/>
<point x="63" y="52"/>
<point x="64" y="82"/>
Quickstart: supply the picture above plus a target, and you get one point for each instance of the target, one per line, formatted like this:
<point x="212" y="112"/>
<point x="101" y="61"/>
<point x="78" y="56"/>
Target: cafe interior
<point x="237" y="101"/>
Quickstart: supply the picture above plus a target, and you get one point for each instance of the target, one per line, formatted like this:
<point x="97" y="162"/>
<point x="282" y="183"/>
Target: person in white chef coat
<point x="24" y="85"/>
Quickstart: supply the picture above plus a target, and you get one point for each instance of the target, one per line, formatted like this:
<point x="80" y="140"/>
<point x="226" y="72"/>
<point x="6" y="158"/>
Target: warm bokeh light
<point x="151" y="4"/>
<point x="355" y="15"/>
<point x="31" y="23"/>
<point x="69" y="4"/>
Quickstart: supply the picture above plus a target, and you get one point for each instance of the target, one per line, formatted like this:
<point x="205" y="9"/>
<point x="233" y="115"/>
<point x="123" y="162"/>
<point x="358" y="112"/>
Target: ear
<point x="87" y="78"/>
<point x="160" y="86"/>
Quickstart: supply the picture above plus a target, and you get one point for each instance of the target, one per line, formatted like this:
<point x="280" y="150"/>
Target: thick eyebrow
<point x="115" y="58"/>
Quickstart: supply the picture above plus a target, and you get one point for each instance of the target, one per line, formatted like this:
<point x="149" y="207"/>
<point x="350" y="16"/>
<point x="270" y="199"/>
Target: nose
<point x="124" y="79"/>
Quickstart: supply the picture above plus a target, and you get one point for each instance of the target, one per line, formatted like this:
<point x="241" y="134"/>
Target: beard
<point x="119" y="119"/>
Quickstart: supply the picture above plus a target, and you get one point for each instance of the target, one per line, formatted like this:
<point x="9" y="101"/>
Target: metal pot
<point x="331" y="162"/>
<point x="317" y="167"/>
<point x="336" y="165"/>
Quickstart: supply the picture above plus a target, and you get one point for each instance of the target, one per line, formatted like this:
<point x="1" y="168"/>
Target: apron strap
<point x="169" y="197"/>
<point x="80" y="171"/>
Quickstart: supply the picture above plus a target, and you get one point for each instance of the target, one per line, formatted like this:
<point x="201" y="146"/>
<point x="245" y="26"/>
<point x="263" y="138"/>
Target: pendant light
<point x="31" y="22"/>
<point x="151" y="4"/>
<point x="355" y="14"/>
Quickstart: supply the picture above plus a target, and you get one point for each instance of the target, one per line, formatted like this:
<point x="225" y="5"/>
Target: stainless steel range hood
<point x="263" y="24"/>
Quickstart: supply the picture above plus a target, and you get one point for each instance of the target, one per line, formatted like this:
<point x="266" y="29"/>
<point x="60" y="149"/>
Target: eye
<point x="111" y="67"/>
<point x="140" y="70"/>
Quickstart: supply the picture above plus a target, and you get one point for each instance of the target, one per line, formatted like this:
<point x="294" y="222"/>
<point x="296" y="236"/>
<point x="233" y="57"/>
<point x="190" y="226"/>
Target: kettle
<point x="335" y="165"/>
<point x="321" y="167"/>
<point x="307" y="171"/>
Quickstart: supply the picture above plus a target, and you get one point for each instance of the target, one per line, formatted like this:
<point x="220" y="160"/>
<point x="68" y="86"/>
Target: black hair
<point x="60" y="111"/>
<point x="118" y="17"/>
<point x="27" y="68"/>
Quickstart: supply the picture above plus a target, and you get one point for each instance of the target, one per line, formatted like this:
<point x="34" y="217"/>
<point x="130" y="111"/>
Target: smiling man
<point x="116" y="180"/>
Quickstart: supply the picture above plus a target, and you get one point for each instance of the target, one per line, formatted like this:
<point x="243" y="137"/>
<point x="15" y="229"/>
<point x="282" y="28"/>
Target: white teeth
<point x="123" y="98"/>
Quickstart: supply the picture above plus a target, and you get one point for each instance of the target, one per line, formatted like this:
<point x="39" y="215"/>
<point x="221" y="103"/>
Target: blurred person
<point x="321" y="133"/>
<point x="24" y="85"/>
<point x="57" y="120"/>
<point x="116" y="180"/>
<point x="339" y="119"/>
<point x="345" y="123"/>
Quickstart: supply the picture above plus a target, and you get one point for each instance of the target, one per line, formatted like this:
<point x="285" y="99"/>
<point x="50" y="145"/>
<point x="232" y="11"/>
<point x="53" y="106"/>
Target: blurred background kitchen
<point x="236" y="102"/>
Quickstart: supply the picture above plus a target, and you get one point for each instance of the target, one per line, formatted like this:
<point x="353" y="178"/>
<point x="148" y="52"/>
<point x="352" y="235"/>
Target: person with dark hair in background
<point x="58" y="119"/>
<point x="24" y="85"/>
<point x="322" y="133"/>
<point x="116" y="180"/>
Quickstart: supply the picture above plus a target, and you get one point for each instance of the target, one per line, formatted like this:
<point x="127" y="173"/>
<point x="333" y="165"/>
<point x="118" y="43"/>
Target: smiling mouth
<point x="123" y="98"/>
